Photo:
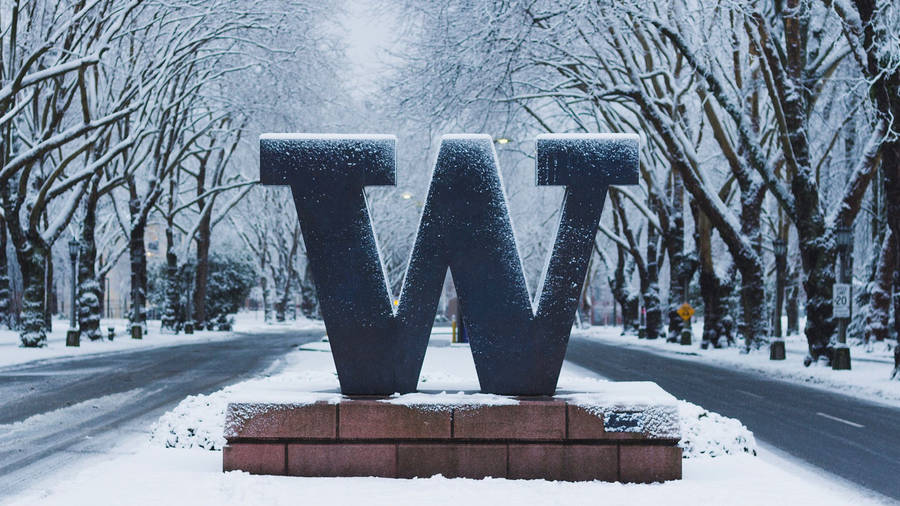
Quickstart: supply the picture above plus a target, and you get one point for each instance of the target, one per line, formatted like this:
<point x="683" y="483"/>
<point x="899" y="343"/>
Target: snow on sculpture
<point x="518" y="347"/>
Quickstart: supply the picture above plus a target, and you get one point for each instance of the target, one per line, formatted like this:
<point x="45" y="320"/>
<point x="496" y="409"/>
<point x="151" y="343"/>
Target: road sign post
<point x="842" y="298"/>
<point x="686" y="312"/>
<point x="776" y="346"/>
<point x="642" y="323"/>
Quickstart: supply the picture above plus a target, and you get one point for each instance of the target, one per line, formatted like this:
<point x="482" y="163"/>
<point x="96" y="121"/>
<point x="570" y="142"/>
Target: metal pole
<point x="687" y="330"/>
<point x="74" y="281"/>
<point x="841" y="357"/>
<point x="73" y="335"/>
<point x="779" y="294"/>
<point x="841" y="360"/>
<point x="776" y="347"/>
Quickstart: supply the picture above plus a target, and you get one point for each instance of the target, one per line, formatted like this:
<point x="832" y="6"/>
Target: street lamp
<point x="502" y="140"/>
<point x="776" y="348"/>
<point x="73" y="336"/>
<point x="843" y="236"/>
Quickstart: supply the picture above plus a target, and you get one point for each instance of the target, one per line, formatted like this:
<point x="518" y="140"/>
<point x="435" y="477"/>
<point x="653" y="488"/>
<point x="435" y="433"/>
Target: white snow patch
<point x="444" y="401"/>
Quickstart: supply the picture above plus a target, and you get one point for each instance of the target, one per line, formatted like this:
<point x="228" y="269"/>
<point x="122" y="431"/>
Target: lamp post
<point x="642" y="319"/>
<point x="844" y="240"/>
<point x="73" y="336"/>
<point x="189" y="323"/>
<point x="776" y="348"/>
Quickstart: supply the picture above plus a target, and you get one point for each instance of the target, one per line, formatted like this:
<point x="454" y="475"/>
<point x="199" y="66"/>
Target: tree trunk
<point x="280" y="306"/>
<point x="266" y="299"/>
<point x="49" y="305"/>
<point x="891" y="164"/>
<point x="89" y="287"/>
<point x="202" y="273"/>
<point x="32" y="331"/>
<point x="170" y="319"/>
<point x="680" y="271"/>
<point x="138" y="262"/>
<point x="713" y="291"/>
<point x="792" y="310"/>
<point x="5" y="294"/>
<point x="31" y="263"/>
<point x="623" y="296"/>
<point x="878" y="320"/>
<point x="651" y="287"/>
<point x="308" y="302"/>
<point x="754" y="326"/>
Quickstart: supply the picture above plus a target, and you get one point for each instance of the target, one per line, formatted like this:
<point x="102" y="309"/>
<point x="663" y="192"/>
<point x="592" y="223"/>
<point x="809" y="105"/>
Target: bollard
<point x="110" y="333"/>
<point x="686" y="334"/>
<point x="776" y="349"/>
<point x="73" y="337"/>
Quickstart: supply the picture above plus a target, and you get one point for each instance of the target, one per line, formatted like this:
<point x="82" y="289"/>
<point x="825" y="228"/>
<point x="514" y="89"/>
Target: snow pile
<point x="197" y="422"/>
<point x="708" y="434"/>
<point x="634" y="406"/>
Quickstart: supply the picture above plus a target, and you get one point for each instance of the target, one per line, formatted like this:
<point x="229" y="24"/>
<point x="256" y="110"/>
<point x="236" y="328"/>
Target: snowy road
<point x="851" y="438"/>
<point x="54" y="412"/>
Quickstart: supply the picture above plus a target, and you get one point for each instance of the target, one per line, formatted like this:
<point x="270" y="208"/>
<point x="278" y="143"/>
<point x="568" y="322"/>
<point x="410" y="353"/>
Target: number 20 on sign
<point x="840" y="300"/>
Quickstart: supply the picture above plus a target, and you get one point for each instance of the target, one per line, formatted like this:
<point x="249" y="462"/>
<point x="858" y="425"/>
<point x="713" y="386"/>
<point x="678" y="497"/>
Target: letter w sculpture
<point x="465" y="225"/>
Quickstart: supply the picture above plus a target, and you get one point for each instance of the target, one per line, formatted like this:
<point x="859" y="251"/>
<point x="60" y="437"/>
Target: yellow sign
<point x="685" y="311"/>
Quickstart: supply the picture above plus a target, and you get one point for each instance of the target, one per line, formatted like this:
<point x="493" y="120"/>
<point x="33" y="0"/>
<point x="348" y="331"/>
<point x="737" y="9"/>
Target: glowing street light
<point x="406" y="195"/>
<point x="502" y="140"/>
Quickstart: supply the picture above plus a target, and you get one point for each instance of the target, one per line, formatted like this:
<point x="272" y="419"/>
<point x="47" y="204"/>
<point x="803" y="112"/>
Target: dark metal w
<point x="465" y="226"/>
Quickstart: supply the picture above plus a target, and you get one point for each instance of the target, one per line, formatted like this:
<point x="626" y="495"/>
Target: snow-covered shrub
<point x="708" y="434"/>
<point x="197" y="422"/>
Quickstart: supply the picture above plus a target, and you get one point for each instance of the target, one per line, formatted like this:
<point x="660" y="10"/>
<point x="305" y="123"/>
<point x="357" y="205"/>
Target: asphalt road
<point x="78" y="406"/>
<point x="851" y="438"/>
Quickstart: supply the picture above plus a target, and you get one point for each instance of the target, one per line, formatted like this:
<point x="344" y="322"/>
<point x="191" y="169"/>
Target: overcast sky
<point x="369" y="34"/>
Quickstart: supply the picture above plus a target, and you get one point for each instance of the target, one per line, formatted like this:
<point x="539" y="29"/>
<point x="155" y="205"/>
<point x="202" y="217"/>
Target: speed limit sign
<point x="841" y="300"/>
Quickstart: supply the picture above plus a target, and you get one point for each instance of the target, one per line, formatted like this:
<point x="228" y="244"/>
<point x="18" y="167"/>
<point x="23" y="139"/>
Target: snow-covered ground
<point x="179" y="462"/>
<point x="869" y="377"/>
<point x="11" y="351"/>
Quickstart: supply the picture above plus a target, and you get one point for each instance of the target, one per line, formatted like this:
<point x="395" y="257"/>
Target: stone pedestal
<point x="570" y="437"/>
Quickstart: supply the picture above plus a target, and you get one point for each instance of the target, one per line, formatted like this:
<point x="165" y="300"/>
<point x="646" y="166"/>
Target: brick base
<point x="535" y="439"/>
